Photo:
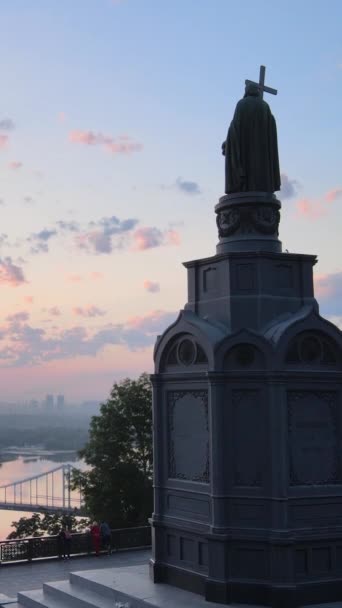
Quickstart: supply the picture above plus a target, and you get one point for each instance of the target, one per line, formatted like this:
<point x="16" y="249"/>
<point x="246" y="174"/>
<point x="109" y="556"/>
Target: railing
<point x="28" y="549"/>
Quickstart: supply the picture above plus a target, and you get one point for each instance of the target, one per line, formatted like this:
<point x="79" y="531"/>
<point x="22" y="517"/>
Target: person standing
<point x="106" y="537"/>
<point x="61" y="543"/>
<point x="67" y="542"/>
<point x="96" y="537"/>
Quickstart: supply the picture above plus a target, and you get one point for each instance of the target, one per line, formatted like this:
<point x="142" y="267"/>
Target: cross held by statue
<point x="261" y="84"/>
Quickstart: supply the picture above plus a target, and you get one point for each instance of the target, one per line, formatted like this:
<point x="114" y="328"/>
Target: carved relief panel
<point x="188" y="435"/>
<point x="313" y="438"/>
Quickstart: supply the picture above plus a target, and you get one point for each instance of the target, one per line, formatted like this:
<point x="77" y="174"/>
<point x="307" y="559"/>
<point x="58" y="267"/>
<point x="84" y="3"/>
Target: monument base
<point x="131" y="587"/>
<point x="248" y="593"/>
<point x="247" y="396"/>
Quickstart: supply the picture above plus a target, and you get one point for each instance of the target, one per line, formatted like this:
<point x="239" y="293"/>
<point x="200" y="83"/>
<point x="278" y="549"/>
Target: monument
<point x="247" y="404"/>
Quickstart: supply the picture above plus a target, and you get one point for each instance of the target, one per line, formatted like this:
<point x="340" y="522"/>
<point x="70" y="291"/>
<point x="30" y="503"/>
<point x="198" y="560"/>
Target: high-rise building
<point x="60" y="402"/>
<point x="49" y="402"/>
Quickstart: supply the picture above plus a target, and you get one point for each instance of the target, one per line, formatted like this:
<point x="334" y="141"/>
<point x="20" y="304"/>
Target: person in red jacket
<point x="96" y="537"/>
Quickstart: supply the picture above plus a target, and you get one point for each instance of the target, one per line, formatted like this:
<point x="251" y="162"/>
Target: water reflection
<point x="23" y="466"/>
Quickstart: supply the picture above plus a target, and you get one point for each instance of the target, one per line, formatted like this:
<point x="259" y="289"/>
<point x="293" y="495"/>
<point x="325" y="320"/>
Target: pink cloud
<point x="18" y="317"/>
<point x="124" y="147"/>
<point x="151" y="286"/>
<point x="328" y="288"/>
<point x="105" y="235"/>
<point x="333" y="195"/>
<point x="10" y="273"/>
<point x="15" y="165"/>
<point x="153" y="322"/>
<point x="173" y="237"/>
<point x="95" y="276"/>
<point x="97" y="240"/>
<point x="28" y="299"/>
<point x="24" y="345"/>
<point x="310" y="209"/>
<point x="54" y="311"/>
<point x="314" y="209"/>
<point x="115" y="145"/>
<point x="61" y="116"/>
<point x="3" y="141"/>
<point x="150" y="237"/>
<point x="75" y="278"/>
<point x="147" y="238"/>
<point x="324" y="288"/>
<point x="88" y="311"/>
<point x="87" y="138"/>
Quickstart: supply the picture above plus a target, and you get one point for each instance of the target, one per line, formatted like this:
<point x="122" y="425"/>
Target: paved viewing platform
<point x="102" y="582"/>
<point x="27" y="576"/>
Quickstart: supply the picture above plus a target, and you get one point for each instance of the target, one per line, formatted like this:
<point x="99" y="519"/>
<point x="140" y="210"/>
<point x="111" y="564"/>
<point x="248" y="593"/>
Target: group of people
<point x="101" y="537"/>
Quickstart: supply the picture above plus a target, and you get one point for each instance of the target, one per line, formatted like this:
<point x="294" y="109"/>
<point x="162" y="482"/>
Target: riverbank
<point x="33" y="452"/>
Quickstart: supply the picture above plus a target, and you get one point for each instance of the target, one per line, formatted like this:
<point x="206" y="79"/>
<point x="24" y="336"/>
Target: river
<point x="22" y="464"/>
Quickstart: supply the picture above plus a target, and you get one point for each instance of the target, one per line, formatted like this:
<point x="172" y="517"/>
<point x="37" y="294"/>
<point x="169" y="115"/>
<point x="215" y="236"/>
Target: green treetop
<point x="118" y="486"/>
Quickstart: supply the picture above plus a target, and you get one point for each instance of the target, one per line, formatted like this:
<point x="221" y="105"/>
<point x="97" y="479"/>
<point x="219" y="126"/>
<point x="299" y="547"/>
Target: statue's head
<point x="252" y="90"/>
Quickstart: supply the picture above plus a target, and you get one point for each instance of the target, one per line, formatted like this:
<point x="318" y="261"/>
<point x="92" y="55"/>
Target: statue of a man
<point x="251" y="148"/>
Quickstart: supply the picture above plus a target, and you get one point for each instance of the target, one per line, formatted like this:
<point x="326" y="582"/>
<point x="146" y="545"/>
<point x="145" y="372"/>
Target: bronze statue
<point x="251" y="148"/>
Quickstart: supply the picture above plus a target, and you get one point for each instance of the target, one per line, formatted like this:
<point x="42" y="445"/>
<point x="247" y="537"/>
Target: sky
<point x="112" y="115"/>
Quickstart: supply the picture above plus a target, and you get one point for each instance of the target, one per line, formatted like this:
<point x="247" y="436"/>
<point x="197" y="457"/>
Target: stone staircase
<point x="126" y="587"/>
<point x="89" y="589"/>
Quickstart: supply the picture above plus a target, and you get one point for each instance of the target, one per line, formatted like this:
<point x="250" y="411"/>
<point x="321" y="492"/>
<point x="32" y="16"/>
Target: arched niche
<point x="312" y="348"/>
<point x="244" y="357"/>
<point x="184" y="352"/>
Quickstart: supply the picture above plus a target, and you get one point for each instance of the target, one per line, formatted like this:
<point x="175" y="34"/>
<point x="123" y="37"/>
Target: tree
<point x="118" y="486"/>
<point x="47" y="523"/>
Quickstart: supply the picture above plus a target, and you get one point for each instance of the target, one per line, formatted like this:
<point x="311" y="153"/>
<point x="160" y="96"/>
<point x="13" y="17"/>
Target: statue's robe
<point x="251" y="149"/>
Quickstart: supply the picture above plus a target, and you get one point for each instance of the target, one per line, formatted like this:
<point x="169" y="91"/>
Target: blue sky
<point x="118" y="108"/>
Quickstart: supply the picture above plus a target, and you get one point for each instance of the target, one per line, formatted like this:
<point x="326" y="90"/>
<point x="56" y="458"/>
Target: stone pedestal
<point x="248" y="424"/>
<point x="248" y="221"/>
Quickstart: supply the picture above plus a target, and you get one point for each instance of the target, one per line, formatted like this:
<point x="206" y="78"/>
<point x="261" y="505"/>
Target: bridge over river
<point x="47" y="492"/>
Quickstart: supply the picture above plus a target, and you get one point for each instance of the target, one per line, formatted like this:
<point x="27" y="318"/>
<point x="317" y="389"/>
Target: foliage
<point x="118" y="486"/>
<point x="47" y="523"/>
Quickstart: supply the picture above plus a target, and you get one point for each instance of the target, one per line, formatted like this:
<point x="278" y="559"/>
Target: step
<point x="78" y="596"/>
<point x="62" y="594"/>
<point x="37" y="599"/>
<point x="5" y="600"/>
<point x="110" y="583"/>
<point x="136" y="589"/>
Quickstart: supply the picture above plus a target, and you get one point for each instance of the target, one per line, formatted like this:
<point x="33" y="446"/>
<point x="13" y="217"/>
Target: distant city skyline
<point x="40" y="403"/>
<point x="112" y="116"/>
